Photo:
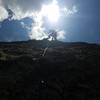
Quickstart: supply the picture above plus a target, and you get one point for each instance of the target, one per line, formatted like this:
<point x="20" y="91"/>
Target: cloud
<point x="39" y="27"/>
<point x="3" y="12"/>
<point x="61" y="35"/>
<point x="24" y="5"/>
<point x="26" y="8"/>
<point x="23" y="8"/>
<point x="68" y="11"/>
<point x="32" y="9"/>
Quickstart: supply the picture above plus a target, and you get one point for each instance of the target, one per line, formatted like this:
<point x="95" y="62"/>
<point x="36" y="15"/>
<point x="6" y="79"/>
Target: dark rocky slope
<point x="43" y="70"/>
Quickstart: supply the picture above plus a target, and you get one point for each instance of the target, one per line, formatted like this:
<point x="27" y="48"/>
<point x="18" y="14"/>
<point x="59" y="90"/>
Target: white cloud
<point x="61" y="35"/>
<point x="3" y="13"/>
<point x="71" y="11"/>
<point x="38" y="28"/>
<point x="32" y="8"/>
<point x="25" y="5"/>
<point x="22" y="8"/>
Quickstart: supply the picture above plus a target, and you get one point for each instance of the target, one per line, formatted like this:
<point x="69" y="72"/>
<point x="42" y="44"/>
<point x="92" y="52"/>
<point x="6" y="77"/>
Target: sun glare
<point x="51" y="11"/>
<point x="48" y="18"/>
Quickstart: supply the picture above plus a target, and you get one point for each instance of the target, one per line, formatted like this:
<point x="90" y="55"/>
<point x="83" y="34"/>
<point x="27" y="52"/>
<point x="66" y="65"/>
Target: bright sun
<point x="51" y="11"/>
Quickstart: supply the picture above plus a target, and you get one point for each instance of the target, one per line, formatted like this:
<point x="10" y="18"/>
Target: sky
<point x="75" y="20"/>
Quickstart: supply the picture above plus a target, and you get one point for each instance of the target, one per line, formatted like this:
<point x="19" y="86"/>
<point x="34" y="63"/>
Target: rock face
<point x="43" y="70"/>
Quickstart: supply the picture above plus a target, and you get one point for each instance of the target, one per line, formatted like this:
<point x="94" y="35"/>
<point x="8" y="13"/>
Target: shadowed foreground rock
<point x="67" y="71"/>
